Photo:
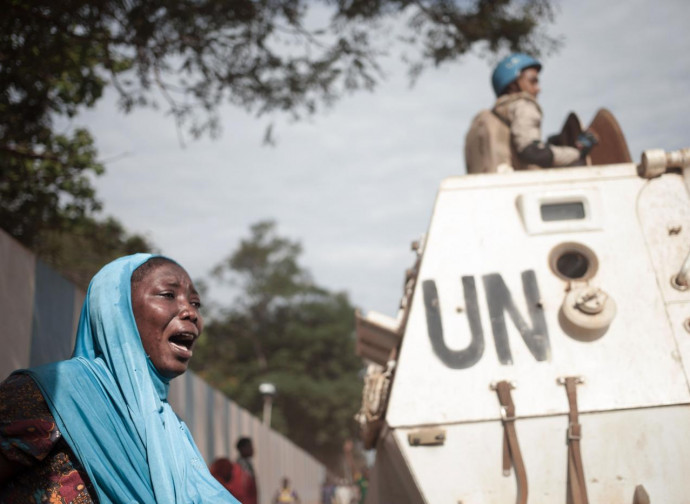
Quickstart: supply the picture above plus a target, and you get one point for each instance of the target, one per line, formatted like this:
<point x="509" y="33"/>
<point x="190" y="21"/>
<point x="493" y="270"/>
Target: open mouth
<point x="182" y="344"/>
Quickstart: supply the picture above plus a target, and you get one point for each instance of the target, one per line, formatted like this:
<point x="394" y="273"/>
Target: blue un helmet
<point x="509" y="69"/>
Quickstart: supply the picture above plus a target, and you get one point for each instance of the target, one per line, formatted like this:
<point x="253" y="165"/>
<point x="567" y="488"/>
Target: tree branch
<point x="28" y="153"/>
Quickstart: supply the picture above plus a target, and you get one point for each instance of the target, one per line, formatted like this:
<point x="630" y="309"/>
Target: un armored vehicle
<point x="542" y="349"/>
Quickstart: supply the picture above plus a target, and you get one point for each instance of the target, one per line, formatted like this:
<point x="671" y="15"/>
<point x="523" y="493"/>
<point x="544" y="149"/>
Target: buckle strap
<point x="512" y="457"/>
<point x="640" y="496"/>
<point x="577" y="488"/>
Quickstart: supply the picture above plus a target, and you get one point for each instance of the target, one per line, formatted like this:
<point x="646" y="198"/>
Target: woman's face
<point x="166" y="309"/>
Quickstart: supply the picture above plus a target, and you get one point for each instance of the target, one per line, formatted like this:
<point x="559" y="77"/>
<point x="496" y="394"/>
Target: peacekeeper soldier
<point x="510" y="133"/>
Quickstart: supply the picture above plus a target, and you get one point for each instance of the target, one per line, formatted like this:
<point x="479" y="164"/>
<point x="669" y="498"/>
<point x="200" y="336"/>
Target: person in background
<point x="362" y="482"/>
<point x="328" y="489"/>
<point x="245" y="448"/>
<point x="98" y="427"/>
<point x="229" y="475"/>
<point x="286" y="495"/>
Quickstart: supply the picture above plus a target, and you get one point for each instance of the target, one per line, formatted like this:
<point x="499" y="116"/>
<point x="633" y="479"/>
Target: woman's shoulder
<point x="30" y="439"/>
<point x="27" y="428"/>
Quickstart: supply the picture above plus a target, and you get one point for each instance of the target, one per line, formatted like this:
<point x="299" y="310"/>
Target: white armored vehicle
<point x="542" y="349"/>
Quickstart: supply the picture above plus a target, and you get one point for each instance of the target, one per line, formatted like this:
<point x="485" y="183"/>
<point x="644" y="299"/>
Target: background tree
<point x="261" y="55"/>
<point x="48" y="203"/>
<point x="80" y="248"/>
<point x="190" y="56"/>
<point x="47" y="186"/>
<point x="284" y="329"/>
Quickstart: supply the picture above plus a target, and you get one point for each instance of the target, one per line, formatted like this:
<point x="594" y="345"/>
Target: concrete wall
<point x="40" y="310"/>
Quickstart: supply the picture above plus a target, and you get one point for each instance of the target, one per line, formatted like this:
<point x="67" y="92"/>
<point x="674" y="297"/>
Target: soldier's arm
<point x="525" y="131"/>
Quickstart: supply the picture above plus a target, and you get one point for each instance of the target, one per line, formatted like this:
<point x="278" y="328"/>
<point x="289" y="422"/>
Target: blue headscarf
<point x="111" y="405"/>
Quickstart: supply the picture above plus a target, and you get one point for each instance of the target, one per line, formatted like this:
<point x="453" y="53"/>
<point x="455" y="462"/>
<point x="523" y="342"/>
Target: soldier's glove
<point x="585" y="141"/>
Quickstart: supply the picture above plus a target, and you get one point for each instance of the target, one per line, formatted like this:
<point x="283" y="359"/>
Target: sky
<point x="356" y="184"/>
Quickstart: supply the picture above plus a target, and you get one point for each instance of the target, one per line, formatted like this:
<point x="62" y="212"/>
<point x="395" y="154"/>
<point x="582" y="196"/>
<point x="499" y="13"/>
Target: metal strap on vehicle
<point x="640" y="496"/>
<point x="577" y="489"/>
<point x="511" y="448"/>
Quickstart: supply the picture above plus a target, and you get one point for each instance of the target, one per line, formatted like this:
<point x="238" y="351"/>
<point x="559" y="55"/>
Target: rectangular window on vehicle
<point x="573" y="210"/>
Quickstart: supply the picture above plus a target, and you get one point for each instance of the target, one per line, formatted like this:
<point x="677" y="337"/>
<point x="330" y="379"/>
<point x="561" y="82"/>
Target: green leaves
<point x="80" y="248"/>
<point x="47" y="186"/>
<point x="56" y="57"/>
<point x="191" y="57"/>
<point x="284" y="329"/>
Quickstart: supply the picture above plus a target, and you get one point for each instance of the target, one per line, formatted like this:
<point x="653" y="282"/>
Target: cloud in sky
<point x="357" y="184"/>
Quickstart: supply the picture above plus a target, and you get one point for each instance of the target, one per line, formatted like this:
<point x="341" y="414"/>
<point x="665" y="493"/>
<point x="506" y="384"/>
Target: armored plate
<point x="489" y="294"/>
<point x="620" y="450"/>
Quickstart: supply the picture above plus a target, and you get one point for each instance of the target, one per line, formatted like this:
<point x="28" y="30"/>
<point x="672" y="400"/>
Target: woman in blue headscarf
<point x="98" y="427"/>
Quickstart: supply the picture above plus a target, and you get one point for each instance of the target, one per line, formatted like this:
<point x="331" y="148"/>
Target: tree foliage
<point x="52" y="65"/>
<point x="48" y="203"/>
<point x="47" y="189"/>
<point x="80" y="248"/>
<point x="190" y="56"/>
<point x="284" y="329"/>
<point x="264" y="55"/>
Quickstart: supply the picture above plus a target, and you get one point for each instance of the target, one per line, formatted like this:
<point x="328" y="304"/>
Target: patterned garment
<point x="29" y="437"/>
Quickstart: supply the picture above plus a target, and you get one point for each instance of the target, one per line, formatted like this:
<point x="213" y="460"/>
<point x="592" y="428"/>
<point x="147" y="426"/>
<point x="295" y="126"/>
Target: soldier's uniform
<point x="509" y="136"/>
